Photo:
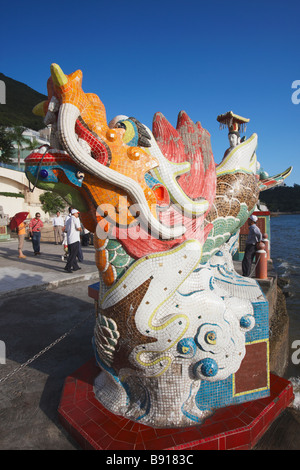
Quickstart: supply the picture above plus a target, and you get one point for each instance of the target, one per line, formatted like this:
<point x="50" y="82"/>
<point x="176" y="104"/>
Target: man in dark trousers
<point x="73" y="229"/>
<point x="35" y="227"/>
<point x="254" y="236"/>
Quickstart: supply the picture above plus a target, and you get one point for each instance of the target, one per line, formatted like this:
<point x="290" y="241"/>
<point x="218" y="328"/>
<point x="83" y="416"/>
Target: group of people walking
<point x="67" y="232"/>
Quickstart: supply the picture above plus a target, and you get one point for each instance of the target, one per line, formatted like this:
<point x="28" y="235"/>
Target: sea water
<point x="285" y="253"/>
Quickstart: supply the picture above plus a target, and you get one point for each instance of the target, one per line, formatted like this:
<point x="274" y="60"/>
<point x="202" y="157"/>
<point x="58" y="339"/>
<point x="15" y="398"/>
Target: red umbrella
<point x="17" y="219"/>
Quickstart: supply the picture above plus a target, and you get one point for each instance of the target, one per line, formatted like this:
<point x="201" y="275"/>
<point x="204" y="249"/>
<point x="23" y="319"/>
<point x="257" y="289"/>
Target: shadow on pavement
<point x="29" y="399"/>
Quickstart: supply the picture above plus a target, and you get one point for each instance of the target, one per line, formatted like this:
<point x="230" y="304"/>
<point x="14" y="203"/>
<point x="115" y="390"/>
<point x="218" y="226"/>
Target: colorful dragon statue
<point x="173" y="316"/>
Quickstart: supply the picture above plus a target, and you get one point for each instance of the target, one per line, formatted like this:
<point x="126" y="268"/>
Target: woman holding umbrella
<point x="21" y="230"/>
<point x="17" y="222"/>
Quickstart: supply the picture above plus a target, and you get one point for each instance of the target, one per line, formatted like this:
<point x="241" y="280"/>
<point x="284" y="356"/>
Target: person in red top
<point x="35" y="227"/>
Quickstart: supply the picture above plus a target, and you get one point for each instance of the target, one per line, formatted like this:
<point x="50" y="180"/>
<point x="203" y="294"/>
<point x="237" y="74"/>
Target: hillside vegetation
<point x="20" y="100"/>
<point x="282" y="198"/>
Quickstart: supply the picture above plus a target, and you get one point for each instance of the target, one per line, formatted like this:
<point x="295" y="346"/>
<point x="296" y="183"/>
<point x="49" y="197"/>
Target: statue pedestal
<point x="234" y="427"/>
<point x="4" y="236"/>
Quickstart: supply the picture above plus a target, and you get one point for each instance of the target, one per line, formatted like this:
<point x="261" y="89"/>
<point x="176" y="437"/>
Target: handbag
<point x="31" y="231"/>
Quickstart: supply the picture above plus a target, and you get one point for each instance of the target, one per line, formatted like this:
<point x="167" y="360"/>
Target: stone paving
<point x="44" y="271"/>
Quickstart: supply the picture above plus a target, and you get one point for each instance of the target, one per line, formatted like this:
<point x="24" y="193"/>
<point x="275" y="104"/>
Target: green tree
<point x="51" y="202"/>
<point x="6" y="145"/>
<point x="19" y="139"/>
<point x="32" y="145"/>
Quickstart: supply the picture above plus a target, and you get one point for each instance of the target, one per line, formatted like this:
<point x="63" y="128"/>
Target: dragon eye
<point x="130" y="136"/>
<point x="43" y="174"/>
<point x="121" y="125"/>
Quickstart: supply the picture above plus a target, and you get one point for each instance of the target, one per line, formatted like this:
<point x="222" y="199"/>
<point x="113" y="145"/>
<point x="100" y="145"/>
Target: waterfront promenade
<point x="46" y="324"/>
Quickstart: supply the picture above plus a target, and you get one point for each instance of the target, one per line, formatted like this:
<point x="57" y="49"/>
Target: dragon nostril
<point x="79" y="175"/>
<point x="111" y="135"/>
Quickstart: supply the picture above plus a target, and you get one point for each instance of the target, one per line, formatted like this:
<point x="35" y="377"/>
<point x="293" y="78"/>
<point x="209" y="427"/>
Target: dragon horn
<point x="41" y="108"/>
<point x="58" y="77"/>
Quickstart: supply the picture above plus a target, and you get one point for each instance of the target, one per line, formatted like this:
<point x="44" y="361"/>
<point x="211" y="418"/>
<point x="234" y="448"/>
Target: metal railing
<point x="13" y="167"/>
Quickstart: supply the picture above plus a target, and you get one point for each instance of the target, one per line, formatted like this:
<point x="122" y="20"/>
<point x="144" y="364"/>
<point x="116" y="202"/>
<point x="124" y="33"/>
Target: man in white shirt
<point x="58" y="225"/>
<point x="73" y="228"/>
<point x="254" y="237"/>
<point x="80" y="254"/>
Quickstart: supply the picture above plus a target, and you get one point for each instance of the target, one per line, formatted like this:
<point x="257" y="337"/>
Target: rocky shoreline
<point x="275" y="214"/>
<point x="279" y="334"/>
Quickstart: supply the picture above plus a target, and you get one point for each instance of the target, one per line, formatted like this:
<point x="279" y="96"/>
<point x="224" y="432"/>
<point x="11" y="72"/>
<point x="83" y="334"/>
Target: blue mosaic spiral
<point x="246" y="321"/>
<point x="187" y="346"/>
<point x="207" y="367"/>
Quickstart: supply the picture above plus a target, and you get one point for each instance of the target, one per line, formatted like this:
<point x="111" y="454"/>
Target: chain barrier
<point x="36" y="356"/>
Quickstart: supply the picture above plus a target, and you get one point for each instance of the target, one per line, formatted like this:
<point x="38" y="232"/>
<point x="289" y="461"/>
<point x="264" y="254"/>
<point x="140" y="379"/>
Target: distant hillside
<point x="20" y="100"/>
<point x="282" y="198"/>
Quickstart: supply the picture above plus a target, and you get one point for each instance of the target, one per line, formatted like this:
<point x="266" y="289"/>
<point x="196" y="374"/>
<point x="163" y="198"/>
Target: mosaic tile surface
<point x="178" y="333"/>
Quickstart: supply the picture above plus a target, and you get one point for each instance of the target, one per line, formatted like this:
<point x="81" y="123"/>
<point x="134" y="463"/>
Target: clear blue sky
<point x="204" y="57"/>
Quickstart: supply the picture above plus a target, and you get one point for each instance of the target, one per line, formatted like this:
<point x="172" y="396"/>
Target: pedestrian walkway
<point x="44" y="271"/>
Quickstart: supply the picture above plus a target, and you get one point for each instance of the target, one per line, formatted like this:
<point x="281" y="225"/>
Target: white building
<point x="42" y="137"/>
<point x="16" y="182"/>
<point x="13" y="180"/>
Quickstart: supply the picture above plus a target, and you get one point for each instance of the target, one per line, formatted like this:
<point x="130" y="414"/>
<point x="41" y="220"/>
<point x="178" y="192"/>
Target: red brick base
<point x="234" y="427"/>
